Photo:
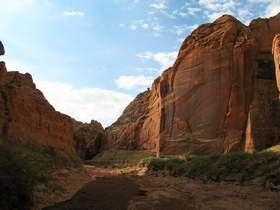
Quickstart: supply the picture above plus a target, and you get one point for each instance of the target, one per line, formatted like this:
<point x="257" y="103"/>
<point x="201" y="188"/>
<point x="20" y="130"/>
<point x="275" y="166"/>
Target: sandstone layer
<point x="89" y="138"/>
<point x="26" y="115"/>
<point x="219" y="96"/>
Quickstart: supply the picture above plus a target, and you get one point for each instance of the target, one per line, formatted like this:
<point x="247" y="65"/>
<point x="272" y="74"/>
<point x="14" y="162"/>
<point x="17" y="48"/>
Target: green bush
<point x="219" y="167"/>
<point x="22" y="166"/>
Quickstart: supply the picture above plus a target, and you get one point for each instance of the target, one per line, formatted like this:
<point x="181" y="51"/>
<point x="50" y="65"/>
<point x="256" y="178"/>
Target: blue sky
<point x="92" y="57"/>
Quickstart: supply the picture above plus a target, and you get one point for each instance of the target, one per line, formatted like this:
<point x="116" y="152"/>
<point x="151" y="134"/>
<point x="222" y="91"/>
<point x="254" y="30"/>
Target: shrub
<point x="22" y="166"/>
<point x="219" y="167"/>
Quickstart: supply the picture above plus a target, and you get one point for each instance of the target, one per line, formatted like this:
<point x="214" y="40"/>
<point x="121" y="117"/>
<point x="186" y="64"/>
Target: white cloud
<point x="85" y="104"/>
<point x="183" y="28"/>
<point x="217" y="5"/>
<point x="28" y="1"/>
<point x="165" y="59"/>
<point x="157" y="28"/>
<point x="213" y="16"/>
<point x="73" y="13"/>
<point x="159" y="5"/>
<point x="132" y="82"/>
<point x="46" y="3"/>
<point x="273" y="8"/>
<point x="193" y="11"/>
<point x="149" y="70"/>
<point x="145" y="25"/>
<point x="133" y="27"/>
<point x="122" y="25"/>
<point x="151" y="12"/>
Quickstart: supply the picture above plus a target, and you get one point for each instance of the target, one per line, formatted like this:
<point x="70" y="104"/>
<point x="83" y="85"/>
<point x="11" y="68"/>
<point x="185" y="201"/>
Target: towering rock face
<point x="219" y="96"/>
<point x="27" y="116"/>
<point x="276" y="53"/>
<point x="264" y="116"/>
<point x="205" y="107"/>
<point x="89" y="138"/>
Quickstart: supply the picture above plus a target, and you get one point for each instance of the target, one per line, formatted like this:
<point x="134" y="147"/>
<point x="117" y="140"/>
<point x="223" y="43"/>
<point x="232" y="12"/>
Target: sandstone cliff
<point x="219" y="96"/>
<point x="27" y="116"/>
<point x="127" y="131"/>
<point x="89" y="138"/>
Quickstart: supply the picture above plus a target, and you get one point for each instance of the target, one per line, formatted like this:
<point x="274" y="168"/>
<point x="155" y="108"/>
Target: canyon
<point x="220" y="96"/>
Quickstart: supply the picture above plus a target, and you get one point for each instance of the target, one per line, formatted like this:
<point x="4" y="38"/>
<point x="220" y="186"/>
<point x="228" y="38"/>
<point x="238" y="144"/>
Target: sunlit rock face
<point x="219" y="96"/>
<point x="276" y="53"/>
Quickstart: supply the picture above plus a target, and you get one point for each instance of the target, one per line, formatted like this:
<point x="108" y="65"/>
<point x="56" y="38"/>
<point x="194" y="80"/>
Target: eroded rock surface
<point x="219" y="96"/>
<point x="89" y="138"/>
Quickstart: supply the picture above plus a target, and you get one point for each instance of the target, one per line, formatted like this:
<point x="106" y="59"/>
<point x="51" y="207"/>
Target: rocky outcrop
<point x="89" y="138"/>
<point x="276" y="53"/>
<point x="219" y="96"/>
<point x="26" y="115"/>
<point x="2" y="50"/>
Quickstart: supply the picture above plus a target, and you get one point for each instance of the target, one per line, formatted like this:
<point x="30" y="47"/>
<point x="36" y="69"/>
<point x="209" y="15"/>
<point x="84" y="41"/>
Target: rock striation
<point x="219" y="96"/>
<point x="89" y="138"/>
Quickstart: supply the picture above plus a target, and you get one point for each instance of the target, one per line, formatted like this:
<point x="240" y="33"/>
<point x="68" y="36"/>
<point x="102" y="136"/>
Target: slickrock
<point x="27" y="116"/>
<point x="219" y="96"/>
<point x="89" y="138"/>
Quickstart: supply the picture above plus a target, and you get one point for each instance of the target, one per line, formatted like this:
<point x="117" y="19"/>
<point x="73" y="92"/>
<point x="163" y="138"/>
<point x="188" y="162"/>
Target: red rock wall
<point x="209" y="90"/>
<point x="27" y="116"/>
<point x="264" y="113"/>
<point x="219" y="96"/>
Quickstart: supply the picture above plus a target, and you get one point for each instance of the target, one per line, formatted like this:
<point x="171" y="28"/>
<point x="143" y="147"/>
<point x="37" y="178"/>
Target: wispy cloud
<point x="132" y="27"/>
<point x="179" y="30"/>
<point x="85" y="104"/>
<point x="273" y="8"/>
<point x="159" y="5"/>
<point x="193" y="10"/>
<point x="73" y="13"/>
<point x="132" y="82"/>
<point x="165" y="59"/>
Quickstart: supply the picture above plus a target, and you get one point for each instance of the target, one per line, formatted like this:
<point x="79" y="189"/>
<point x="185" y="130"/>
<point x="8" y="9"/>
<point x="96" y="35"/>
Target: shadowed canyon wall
<point x="219" y="96"/>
